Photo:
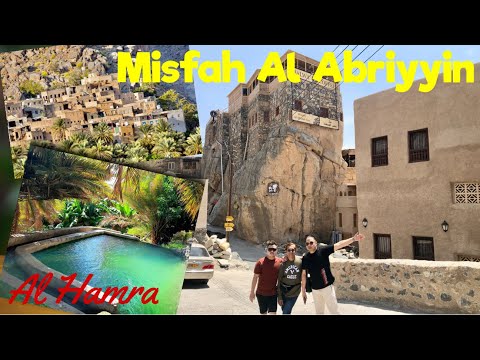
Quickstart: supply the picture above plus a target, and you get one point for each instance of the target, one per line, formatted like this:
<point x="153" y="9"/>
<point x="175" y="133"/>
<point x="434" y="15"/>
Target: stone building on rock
<point x="285" y="142"/>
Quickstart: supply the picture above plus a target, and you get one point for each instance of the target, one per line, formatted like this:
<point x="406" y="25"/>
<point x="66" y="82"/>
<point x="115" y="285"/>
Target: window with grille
<point x="189" y="165"/>
<point x="468" y="258"/>
<point x="383" y="246"/>
<point x="418" y="145"/>
<point x="171" y="166"/>
<point x="300" y="65"/>
<point x="423" y="248"/>
<point x="352" y="190"/>
<point x="466" y="193"/>
<point x="380" y="151"/>
<point x="298" y="105"/>
<point x="324" y="112"/>
<point x="266" y="116"/>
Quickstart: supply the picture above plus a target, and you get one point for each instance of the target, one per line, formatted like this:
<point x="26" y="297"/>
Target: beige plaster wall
<point x="413" y="199"/>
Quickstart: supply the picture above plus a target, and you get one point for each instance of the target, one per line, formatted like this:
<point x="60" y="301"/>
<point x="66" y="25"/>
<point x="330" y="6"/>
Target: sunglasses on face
<point x="291" y="250"/>
<point x="310" y="243"/>
<point x="272" y="249"/>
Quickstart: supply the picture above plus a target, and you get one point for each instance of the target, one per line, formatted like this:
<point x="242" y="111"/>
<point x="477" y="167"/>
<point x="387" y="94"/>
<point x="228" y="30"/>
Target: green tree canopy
<point x="172" y="100"/>
<point x="59" y="127"/>
<point x="30" y="88"/>
<point x="102" y="132"/>
<point x="193" y="145"/>
<point x="51" y="174"/>
<point x="159" y="211"/>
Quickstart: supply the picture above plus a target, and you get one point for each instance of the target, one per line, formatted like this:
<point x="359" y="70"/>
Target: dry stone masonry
<point x="426" y="286"/>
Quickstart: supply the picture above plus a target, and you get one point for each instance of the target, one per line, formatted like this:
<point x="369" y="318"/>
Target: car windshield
<point x="198" y="251"/>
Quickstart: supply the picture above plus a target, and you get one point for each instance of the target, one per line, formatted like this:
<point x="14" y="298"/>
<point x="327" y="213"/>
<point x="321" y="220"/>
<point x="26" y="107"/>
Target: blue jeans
<point x="288" y="303"/>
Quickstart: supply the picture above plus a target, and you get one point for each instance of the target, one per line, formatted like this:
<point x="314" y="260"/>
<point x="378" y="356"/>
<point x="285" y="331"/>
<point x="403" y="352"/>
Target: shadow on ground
<point x="382" y="306"/>
<point x="194" y="284"/>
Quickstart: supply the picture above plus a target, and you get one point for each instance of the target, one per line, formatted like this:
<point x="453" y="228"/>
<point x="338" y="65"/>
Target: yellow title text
<point x="149" y="67"/>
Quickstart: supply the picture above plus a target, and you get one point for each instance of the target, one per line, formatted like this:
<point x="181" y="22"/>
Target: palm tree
<point x="19" y="156"/>
<point x="76" y="137"/>
<point x="128" y="176"/>
<point x="145" y="130"/>
<point x="80" y="142"/>
<point x="157" y="206"/>
<point x="80" y="137"/>
<point x="136" y="153"/>
<point x="30" y="212"/>
<point x="166" y="148"/>
<point x="125" y="176"/>
<point x="194" y="143"/>
<point x="103" y="133"/>
<point x="50" y="174"/>
<point x="67" y="145"/>
<point x="162" y="126"/>
<point x="59" y="127"/>
<point x="190" y="193"/>
<point x="146" y="140"/>
<point x="179" y="138"/>
<point x="119" y="152"/>
<point x="100" y="151"/>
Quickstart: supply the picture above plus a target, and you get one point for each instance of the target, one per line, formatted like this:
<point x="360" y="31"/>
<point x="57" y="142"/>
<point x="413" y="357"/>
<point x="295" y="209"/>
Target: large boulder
<point x="307" y="175"/>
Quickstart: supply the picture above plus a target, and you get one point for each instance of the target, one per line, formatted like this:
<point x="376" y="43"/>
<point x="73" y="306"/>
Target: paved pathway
<point x="227" y="294"/>
<point x="228" y="291"/>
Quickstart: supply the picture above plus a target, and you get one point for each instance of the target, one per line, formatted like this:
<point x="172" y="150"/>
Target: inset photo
<point x="68" y="97"/>
<point x="94" y="237"/>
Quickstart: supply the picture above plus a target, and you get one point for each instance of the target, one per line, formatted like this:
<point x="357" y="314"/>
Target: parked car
<point x="200" y="264"/>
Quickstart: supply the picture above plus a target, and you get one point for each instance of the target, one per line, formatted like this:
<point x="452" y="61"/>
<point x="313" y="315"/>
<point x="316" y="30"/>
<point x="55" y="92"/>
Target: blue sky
<point x="212" y="96"/>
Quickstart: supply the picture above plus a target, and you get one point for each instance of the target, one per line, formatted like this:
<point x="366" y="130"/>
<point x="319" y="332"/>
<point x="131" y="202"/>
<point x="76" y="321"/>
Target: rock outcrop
<point x="307" y="175"/>
<point x="56" y="66"/>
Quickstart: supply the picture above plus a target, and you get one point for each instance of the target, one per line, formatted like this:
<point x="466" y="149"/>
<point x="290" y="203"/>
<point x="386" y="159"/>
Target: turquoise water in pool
<point x="120" y="262"/>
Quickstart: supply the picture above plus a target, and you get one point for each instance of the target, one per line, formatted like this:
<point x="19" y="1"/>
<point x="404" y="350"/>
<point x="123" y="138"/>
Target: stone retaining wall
<point x="20" y="239"/>
<point x="426" y="286"/>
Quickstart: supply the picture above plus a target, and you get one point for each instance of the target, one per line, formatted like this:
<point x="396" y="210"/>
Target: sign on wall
<point x="329" y="123"/>
<point x="309" y="77"/>
<point x="273" y="188"/>
<point x="314" y="120"/>
<point x="306" y="118"/>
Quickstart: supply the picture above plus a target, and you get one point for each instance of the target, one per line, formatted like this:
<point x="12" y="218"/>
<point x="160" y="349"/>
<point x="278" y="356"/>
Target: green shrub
<point x="182" y="236"/>
<point x="78" y="213"/>
<point x="56" y="85"/>
<point x="174" y="245"/>
<point x="147" y="89"/>
<point x="30" y="88"/>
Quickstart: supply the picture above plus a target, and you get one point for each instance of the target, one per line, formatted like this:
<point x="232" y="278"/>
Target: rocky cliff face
<point x="56" y="65"/>
<point x="307" y="175"/>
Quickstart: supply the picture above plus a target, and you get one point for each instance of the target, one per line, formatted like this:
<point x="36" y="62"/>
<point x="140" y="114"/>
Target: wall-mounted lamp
<point x="364" y="222"/>
<point x="445" y="226"/>
<point x="213" y="114"/>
